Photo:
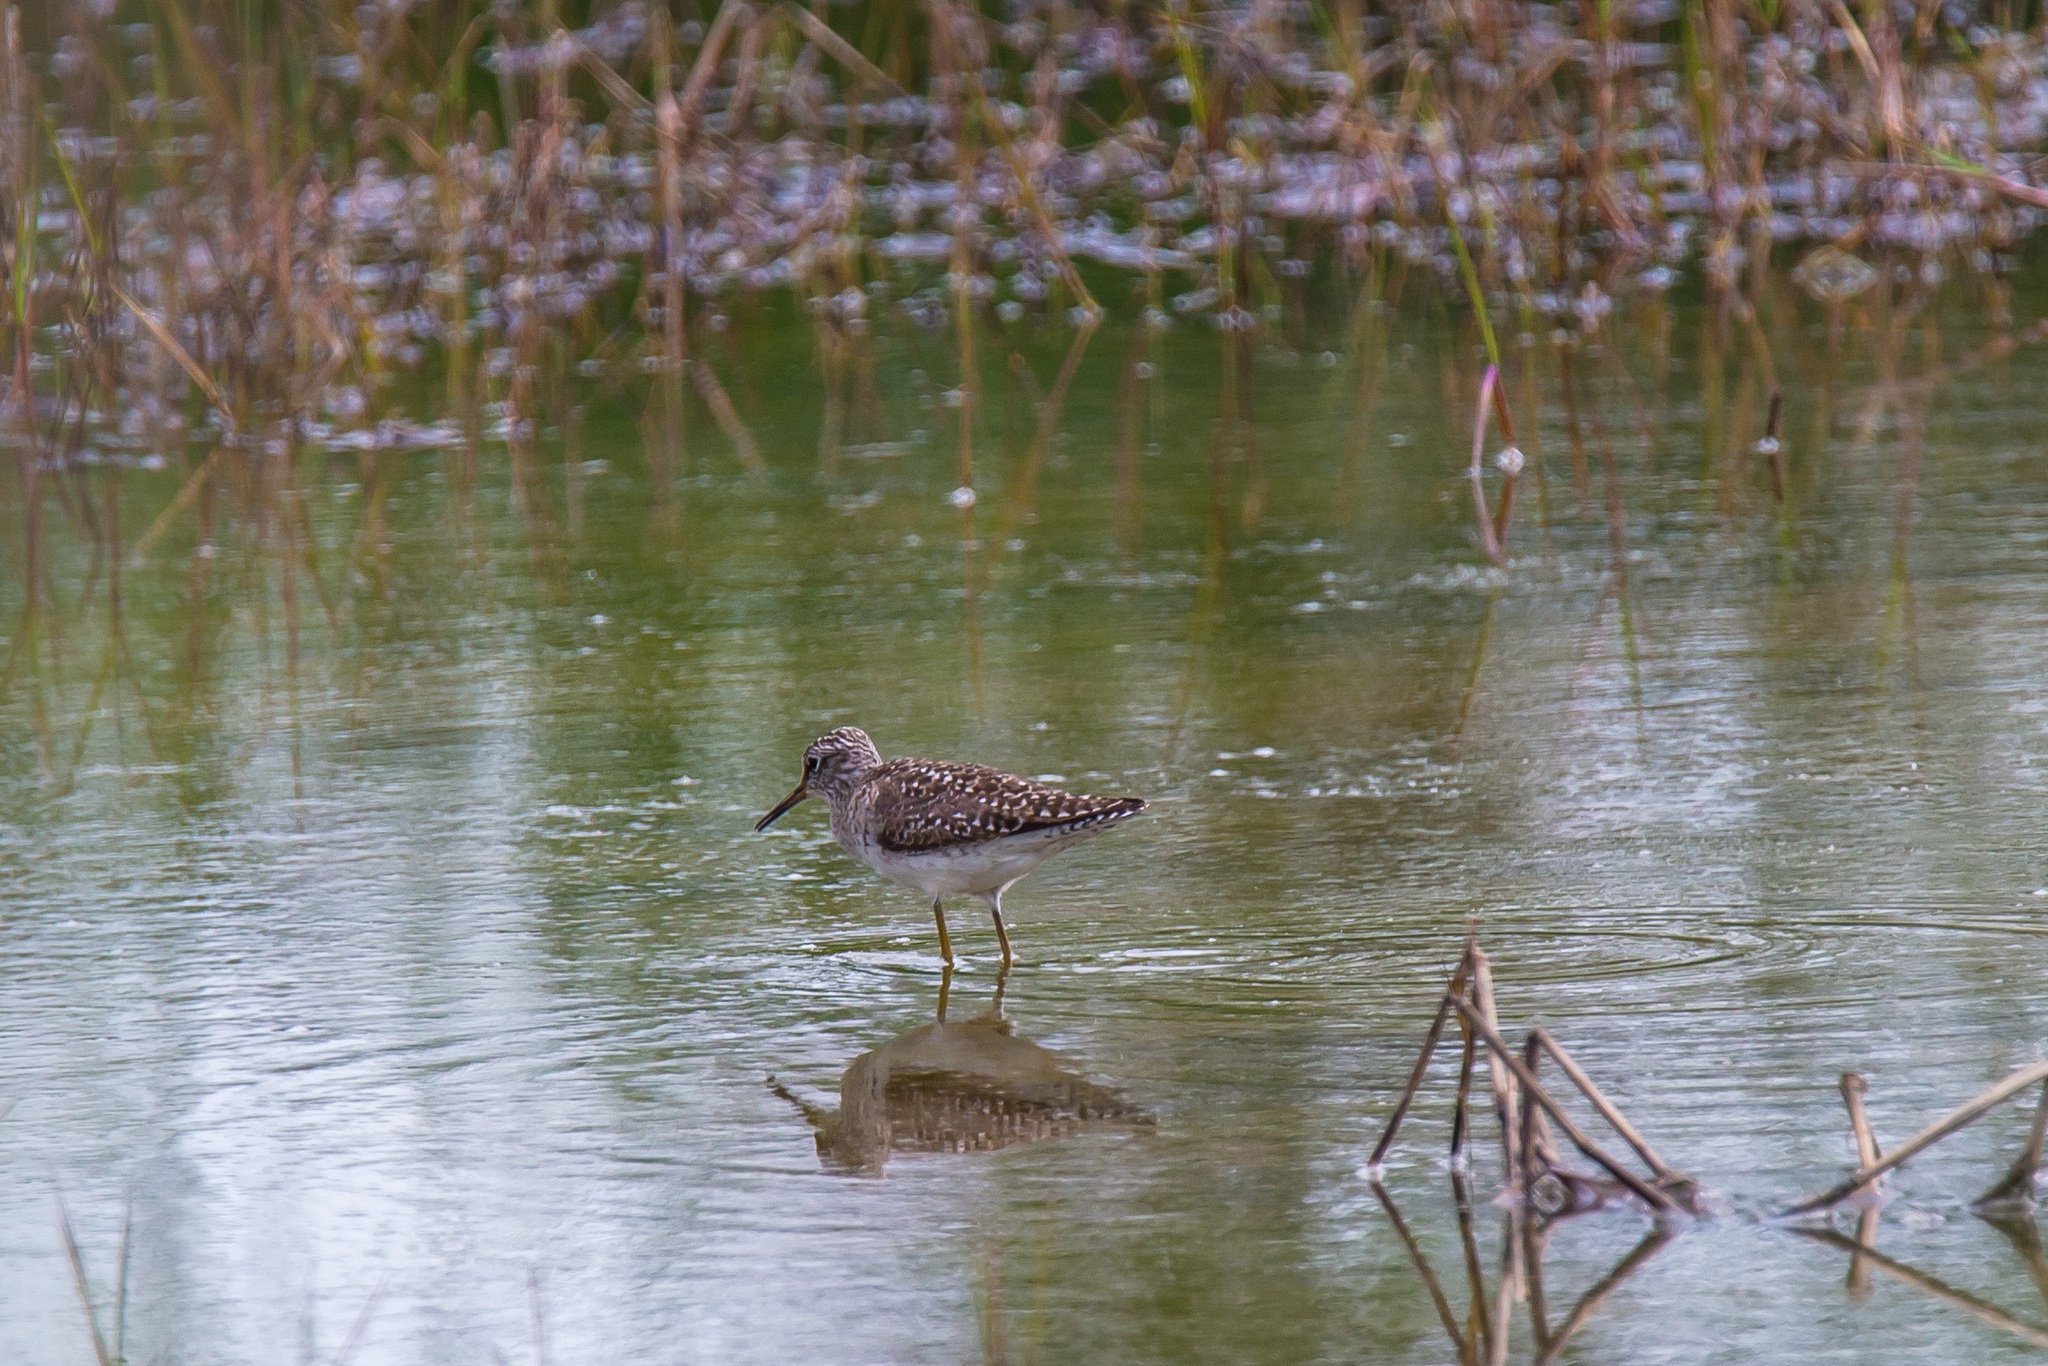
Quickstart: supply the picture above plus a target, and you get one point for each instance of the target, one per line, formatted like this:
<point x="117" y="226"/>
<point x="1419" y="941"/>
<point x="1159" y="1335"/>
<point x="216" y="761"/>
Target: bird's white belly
<point x="963" y="869"/>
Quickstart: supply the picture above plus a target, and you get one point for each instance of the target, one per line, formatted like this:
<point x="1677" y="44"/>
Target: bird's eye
<point x="811" y="763"/>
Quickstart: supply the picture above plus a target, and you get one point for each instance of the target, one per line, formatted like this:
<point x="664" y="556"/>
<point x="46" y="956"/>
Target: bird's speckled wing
<point x="921" y="805"/>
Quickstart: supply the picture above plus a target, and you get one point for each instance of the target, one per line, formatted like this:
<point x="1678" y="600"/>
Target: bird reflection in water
<point x="958" y="1086"/>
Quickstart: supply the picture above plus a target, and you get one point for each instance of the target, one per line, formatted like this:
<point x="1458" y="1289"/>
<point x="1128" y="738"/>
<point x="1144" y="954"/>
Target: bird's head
<point x="834" y="764"/>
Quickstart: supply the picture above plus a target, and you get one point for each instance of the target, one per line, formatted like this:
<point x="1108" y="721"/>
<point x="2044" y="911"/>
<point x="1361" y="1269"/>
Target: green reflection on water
<point x="385" y="910"/>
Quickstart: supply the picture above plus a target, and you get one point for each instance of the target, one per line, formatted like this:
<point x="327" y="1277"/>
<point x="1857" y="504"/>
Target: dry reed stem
<point x="729" y="14"/>
<point x="1854" y="1088"/>
<point x="1461" y="1114"/>
<point x="672" y="455"/>
<point x="1973" y="175"/>
<point x="1484" y="1336"/>
<point x="843" y="52"/>
<point x="178" y="353"/>
<point x="189" y="491"/>
<point x="1500" y="1064"/>
<point x="1664" y="1172"/>
<point x="1775" y="448"/>
<point x="728" y="418"/>
<point x="1644" y="1191"/>
<point x="600" y="71"/>
<point x="1033" y="204"/>
<point x="1415" y="1073"/>
<point x="1961" y="1117"/>
<point x="1533" y="1165"/>
<point x="2017" y="1188"/>
<point x="2024" y="1234"/>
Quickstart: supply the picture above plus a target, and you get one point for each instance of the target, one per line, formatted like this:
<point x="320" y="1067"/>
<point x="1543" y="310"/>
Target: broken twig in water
<point x="1644" y="1191"/>
<point x="1665" y="1173"/>
<point x="1958" y="1118"/>
<point x="1853" y="1089"/>
<point x="1529" y="1160"/>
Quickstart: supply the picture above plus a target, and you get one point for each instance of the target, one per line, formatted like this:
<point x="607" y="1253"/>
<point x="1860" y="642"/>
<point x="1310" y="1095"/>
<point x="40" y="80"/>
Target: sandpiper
<point x="944" y="828"/>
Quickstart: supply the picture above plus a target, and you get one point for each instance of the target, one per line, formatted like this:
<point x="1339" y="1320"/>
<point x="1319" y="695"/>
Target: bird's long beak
<point x="792" y="799"/>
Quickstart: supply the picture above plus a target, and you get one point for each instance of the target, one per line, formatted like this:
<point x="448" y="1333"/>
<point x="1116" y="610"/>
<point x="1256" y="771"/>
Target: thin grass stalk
<point x="672" y="455"/>
<point x="951" y="74"/>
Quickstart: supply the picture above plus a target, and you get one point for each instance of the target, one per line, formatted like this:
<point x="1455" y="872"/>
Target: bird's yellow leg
<point x="945" y="940"/>
<point x="995" y="908"/>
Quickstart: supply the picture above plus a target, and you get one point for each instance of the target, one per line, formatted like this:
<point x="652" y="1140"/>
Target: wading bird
<point x="946" y="829"/>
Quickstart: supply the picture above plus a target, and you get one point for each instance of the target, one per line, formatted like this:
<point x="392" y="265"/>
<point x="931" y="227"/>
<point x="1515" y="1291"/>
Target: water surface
<point x="397" y="955"/>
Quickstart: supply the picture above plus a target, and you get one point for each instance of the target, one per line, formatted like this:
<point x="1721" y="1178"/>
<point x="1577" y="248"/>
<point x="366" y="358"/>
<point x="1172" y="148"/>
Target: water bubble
<point x="962" y="497"/>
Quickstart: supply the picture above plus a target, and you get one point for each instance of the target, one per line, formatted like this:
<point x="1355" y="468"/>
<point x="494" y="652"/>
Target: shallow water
<point x="414" y="989"/>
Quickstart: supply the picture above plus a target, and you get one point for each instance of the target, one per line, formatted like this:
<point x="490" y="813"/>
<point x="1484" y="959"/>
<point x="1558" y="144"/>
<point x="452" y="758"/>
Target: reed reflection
<point x="957" y="1086"/>
<point x="1481" y="1334"/>
<point x="2015" y="1222"/>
